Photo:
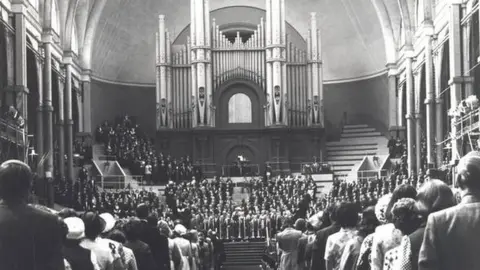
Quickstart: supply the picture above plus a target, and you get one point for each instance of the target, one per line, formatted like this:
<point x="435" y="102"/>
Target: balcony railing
<point x="12" y="133"/>
<point x="111" y="181"/>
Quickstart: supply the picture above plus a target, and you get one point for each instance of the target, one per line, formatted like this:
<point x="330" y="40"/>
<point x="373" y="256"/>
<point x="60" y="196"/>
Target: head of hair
<point x="117" y="235"/>
<point x="381" y="208"/>
<point x="434" y="196"/>
<point x="347" y="215"/>
<point x="301" y="224"/>
<point x="133" y="229"/>
<point x="404" y="216"/>
<point x="369" y="221"/>
<point x="152" y="220"/>
<point x="15" y="181"/>
<point x="402" y="191"/>
<point x="142" y="211"/>
<point x="332" y="212"/>
<point x="468" y="171"/>
<point x="288" y="222"/>
<point x="94" y="225"/>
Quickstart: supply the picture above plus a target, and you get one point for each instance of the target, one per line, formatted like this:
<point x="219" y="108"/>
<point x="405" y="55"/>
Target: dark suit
<point x="143" y="255"/>
<point x="30" y="239"/>
<point x="318" y="251"/>
<point x="452" y="238"/>
<point x="416" y="239"/>
<point x="158" y="244"/>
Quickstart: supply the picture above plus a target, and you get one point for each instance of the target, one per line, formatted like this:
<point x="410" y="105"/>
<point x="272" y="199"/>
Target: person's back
<point x="30" y="239"/>
<point x="454" y="239"/>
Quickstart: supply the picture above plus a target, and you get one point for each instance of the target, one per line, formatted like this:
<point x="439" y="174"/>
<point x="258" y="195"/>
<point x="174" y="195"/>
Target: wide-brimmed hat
<point x="76" y="228"/>
<point x="109" y="222"/>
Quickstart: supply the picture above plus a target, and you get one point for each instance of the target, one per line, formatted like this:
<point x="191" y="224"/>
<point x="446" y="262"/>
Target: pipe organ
<point x="188" y="80"/>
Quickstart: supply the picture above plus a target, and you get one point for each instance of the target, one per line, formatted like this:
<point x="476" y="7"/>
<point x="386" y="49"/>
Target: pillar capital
<point x="418" y="116"/>
<point x="409" y="51"/>
<point x="409" y="116"/>
<point x="429" y="101"/>
<point x="19" y="6"/>
<point x="67" y="58"/>
<point x="47" y="35"/>
<point x="439" y="100"/>
<point x="86" y="75"/>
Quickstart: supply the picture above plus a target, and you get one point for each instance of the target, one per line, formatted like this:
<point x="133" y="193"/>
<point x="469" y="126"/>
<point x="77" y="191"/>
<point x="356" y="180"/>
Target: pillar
<point x="60" y="128"/>
<point x="400" y="101"/>
<point x="87" y="99"/>
<point x="9" y="93"/>
<point x="418" y="119"/>
<point x="456" y="79"/>
<point x="47" y="40"/>
<point x="429" y="101"/>
<point x="393" y="96"/>
<point x="39" y="139"/>
<point x="468" y="80"/>
<point x="68" y="116"/>
<point x="410" y="113"/>
<point x="268" y="107"/>
<point x="439" y="110"/>
<point x="21" y="91"/>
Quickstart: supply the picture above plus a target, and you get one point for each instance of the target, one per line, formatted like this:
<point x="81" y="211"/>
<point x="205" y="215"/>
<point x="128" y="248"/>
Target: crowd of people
<point x="133" y="149"/>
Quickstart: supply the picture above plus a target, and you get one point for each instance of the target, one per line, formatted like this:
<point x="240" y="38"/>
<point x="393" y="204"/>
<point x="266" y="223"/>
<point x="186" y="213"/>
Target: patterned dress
<point x="386" y="238"/>
<point x="336" y="244"/>
<point x="365" y="255"/>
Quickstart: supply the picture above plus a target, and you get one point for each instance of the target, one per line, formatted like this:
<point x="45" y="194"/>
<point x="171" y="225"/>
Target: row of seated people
<point x="316" y="167"/>
<point x="134" y="150"/>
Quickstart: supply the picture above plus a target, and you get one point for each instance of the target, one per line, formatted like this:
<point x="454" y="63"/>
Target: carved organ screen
<point x="239" y="109"/>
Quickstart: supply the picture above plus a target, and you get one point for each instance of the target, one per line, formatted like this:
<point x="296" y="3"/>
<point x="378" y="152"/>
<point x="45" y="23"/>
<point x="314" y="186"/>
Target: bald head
<point x="15" y="181"/>
<point x="468" y="171"/>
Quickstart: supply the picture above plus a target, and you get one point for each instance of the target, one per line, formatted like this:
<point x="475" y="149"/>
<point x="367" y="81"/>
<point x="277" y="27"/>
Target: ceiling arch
<point x="123" y="48"/>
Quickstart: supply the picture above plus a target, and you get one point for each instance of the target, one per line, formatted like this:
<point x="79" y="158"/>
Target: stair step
<point x="355" y="126"/>
<point x="344" y="158"/>
<point x="342" y="163"/>
<point x="352" y="153"/>
<point x="360" y="144"/>
<point x="356" y="130"/>
<point x="361" y="134"/>
<point x="352" y="148"/>
<point x="342" y="167"/>
<point x="359" y="141"/>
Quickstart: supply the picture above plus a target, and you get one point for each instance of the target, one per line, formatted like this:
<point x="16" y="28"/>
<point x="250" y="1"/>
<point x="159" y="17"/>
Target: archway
<point x="235" y="93"/>
<point x="241" y="160"/>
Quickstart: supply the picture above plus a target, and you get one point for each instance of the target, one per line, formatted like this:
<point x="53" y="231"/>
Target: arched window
<point x="55" y="18"/>
<point x="74" y="40"/>
<point x="239" y="109"/>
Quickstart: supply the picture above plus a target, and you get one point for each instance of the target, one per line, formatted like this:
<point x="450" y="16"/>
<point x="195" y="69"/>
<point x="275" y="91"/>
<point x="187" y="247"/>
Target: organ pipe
<point x="187" y="78"/>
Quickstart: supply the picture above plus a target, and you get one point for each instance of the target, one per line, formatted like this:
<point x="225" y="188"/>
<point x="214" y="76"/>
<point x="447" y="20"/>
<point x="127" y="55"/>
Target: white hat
<point x="109" y="222"/>
<point x="180" y="229"/>
<point x="76" y="228"/>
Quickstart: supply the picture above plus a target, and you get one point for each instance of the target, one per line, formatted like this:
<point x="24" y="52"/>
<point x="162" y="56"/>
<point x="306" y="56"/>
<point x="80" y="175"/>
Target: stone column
<point x="47" y="39"/>
<point x="19" y="9"/>
<point x="87" y="96"/>
<point x="468" y="80"/>
<point x="393" y="124"/>
<point x="400" y="112"/>
<point x="269" y="67"/>
<point x="429" y="101"/>
<point x="39" y="139"/>
<point x="60" y="127"/>
<point x="9" y="93"/>
<point x="410" y="112"/>
<point x="456" y="79"/>
<point x="418" y="119"/>
<point x="68" y="115"/>
<point x="439" y="110"/>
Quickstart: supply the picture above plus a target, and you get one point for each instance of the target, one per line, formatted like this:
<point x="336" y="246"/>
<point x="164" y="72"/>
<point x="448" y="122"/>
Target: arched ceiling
<point x="124" y="47"/>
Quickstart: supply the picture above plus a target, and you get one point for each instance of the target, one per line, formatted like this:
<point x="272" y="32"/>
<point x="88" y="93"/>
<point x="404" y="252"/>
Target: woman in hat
<point x="77" y="257"/>
<point x="180" y="232"/>
<point x="173" y="249"/>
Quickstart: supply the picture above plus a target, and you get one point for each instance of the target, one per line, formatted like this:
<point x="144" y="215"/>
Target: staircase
<point x="243" y="255"/>
<point x="356" y="142"/>
<point x="98" y="150"/>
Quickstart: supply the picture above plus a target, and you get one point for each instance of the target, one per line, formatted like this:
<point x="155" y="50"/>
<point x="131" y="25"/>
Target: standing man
<point x="30" y="239"/>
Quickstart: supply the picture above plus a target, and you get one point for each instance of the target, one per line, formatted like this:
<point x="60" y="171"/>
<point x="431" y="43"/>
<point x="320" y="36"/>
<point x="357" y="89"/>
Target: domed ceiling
<point x="124" y="45"/>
